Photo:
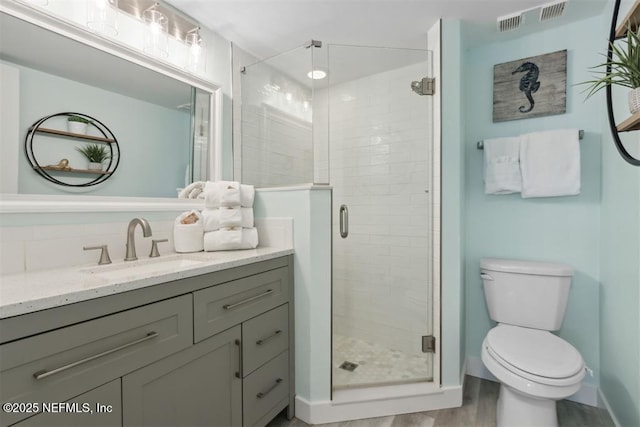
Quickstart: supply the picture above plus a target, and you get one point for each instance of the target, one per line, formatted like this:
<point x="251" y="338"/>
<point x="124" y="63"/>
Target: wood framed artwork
<point x="530" y="87"/>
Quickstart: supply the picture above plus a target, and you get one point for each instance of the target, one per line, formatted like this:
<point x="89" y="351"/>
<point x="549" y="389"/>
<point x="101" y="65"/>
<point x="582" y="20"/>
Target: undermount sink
<point x="144" y="267"/>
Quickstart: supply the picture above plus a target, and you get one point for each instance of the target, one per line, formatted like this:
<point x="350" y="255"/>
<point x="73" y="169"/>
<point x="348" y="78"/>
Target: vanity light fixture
<point x="196" y="51"/>
<point x="317" y="74"/>
<point x="156" y="37"/>
<point x="102" y="16"/>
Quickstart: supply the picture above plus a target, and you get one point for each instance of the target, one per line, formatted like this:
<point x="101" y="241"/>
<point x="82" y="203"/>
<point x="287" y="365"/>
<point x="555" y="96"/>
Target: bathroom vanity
<point x="209" y="343"/>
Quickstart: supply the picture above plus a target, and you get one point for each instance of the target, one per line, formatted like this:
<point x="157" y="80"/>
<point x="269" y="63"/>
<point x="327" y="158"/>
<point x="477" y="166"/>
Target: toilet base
<point x="517" y="409"/>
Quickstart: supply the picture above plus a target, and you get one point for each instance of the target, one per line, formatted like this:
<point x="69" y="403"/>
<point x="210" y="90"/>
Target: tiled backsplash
<point x="32" y="248"/>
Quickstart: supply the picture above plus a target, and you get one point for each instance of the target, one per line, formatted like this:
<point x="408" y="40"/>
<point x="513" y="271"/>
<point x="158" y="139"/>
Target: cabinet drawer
<point x="266" y="391"/>
<point x="264" y="337"/>
<point x="57" y="365"/>
<point x="219" y="307"/>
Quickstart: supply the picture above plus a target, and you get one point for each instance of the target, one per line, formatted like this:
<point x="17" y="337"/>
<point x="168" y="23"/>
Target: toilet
<point x="535" y="367"/>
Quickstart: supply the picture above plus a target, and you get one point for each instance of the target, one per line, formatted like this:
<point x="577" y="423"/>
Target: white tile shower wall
<point x="380" y="133"/>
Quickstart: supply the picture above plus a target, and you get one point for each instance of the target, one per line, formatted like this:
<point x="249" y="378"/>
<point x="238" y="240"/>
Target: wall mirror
<point x="164" y="119"/>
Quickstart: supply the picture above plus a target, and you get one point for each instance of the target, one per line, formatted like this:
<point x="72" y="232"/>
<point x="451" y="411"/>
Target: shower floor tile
<point x="377" y="365"/>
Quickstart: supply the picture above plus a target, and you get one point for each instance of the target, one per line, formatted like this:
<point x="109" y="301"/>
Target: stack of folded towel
<point x="538" y="164"/>
<point x="228" y="216"/>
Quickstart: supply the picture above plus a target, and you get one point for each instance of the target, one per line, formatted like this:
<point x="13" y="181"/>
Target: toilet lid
<point x="534" y="351"/>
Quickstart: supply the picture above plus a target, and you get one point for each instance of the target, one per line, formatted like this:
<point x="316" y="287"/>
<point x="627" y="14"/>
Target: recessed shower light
<point x="317" y="74"/>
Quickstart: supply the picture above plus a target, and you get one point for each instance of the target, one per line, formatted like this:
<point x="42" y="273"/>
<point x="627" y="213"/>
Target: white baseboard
<point x="587" y="395"/>
<point x="604" y="403"/>
<point x="378" y="402"/>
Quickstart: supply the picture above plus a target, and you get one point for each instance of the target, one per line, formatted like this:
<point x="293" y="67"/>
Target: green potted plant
<point x="625" y="68"/>
<point x="96" y="154"/>
<point x="77" y="124"/>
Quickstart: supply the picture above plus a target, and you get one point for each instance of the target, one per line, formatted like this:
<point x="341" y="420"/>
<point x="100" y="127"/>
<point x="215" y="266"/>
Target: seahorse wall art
<point x="530" y="87"/>
<point x="529" y="83"/>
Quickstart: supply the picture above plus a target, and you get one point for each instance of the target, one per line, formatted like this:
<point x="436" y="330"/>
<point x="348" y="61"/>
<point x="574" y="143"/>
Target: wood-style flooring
<point x="478" y="410"/>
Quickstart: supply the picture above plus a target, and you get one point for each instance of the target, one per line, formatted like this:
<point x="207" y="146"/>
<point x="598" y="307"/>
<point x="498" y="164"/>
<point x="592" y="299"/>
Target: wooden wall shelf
<point x="72" y="170"/>
<point x="57" y="132"/>
<point x="632" y="123"/>
<point x="633" y="17"/>
<point x="57" y="174"/>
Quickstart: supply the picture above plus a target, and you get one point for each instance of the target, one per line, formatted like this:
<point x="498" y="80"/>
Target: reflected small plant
<point x="95" y="153"/>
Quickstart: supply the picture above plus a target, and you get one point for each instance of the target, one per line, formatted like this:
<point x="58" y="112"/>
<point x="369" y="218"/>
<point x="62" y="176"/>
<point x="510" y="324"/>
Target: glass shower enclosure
<point x="364" y="128"/>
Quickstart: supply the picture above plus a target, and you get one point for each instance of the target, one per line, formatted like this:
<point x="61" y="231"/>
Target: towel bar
<point x="480" y="144"/>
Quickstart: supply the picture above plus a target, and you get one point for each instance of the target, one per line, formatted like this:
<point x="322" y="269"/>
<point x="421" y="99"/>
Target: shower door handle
<point x="344" y="221"/>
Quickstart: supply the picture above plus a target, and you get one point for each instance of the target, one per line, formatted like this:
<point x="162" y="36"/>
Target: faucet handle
<point x="154" y="247"/>
<point x="104" y="254"/>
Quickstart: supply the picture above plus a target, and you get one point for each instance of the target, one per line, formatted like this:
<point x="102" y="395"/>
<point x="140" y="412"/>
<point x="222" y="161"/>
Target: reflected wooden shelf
<point x="57" y="132"/>
<point x="633" y="17"/>
<point x="632" y="123"/>
<point x="71" y="170"/>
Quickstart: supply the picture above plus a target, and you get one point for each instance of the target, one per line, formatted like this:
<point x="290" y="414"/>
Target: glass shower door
<point x="380" y="142"/>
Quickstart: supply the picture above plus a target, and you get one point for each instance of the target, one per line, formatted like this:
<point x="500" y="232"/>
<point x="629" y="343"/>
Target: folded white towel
<point x="550" y="163"/>
<point x="247" y="195"/>
<point x="188" y="237"/>
<point x="215" y="219"/>
<point x="221" y="193"/>
<point x="502" y="165"/>
<point x="228" y="239"/>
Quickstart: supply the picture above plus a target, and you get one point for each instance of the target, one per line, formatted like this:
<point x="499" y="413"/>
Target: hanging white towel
<point x="227" y="239"/>
<point x="221" y="193"/>
<point x="550" y="163"/>
<point x="215" y="219"/>
<point x="502" y="165"/>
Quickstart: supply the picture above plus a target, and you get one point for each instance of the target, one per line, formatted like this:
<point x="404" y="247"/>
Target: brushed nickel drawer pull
<point x="269" y="338"/>
<point x="262" y="395"/>
<point x="44" y="374"/>
<point x="244" y="301"/>
<point x="239" y="371"/>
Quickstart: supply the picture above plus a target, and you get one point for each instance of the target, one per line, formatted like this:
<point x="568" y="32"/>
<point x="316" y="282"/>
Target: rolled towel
<point x="247" y="195"/>
<point x="228" y="239"/>
<point x="221" y="193"/>
<point x="215" y="219"/>
<point x="192" y="190"/>
<point x="187" y="234"/>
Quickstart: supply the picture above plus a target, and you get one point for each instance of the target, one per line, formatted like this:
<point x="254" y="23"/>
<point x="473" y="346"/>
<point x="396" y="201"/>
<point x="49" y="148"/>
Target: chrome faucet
<point x="131" y="241"/>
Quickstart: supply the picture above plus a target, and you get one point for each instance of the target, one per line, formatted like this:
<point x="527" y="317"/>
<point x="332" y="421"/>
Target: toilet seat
<point x="536" y="355"/>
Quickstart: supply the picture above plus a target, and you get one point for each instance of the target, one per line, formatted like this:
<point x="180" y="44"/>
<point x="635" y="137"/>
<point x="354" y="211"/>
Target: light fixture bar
<point x="179" y="23"/>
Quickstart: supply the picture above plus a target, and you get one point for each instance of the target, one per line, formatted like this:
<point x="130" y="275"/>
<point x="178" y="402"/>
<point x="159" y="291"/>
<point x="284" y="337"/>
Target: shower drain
<point x="349" y="366"/>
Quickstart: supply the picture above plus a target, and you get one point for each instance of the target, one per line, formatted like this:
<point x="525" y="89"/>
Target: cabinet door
<point x="98" y="407"/>
<point x="200" y="386"/>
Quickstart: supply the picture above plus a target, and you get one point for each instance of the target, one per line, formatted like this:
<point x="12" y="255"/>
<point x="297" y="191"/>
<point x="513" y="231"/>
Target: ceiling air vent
<point x="552" y="10"/>
<point x="509" y="22"/>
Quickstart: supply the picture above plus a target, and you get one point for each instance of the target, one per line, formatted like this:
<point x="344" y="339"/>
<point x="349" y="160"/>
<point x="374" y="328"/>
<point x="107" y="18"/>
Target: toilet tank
<point x="526" y="293"/>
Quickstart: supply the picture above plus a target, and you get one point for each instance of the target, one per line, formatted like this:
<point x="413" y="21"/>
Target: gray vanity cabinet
<point x="215" y="350"/>
<point x="199" y="386"/>
<point x="100" y="407"/>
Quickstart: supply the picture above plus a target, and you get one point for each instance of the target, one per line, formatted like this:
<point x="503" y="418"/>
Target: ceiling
<point x="268" y="27"/>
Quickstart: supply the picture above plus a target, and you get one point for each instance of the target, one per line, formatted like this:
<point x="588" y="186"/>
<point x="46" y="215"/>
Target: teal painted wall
<point x="620" y="268"/>
<point x="453" y="205"/>
<point x="560" y="229"/>
<point x="311" y="213"/>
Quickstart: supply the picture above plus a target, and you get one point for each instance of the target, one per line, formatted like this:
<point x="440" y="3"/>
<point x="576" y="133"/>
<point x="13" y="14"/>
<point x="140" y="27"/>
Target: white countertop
<point x="39" y="290"/>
